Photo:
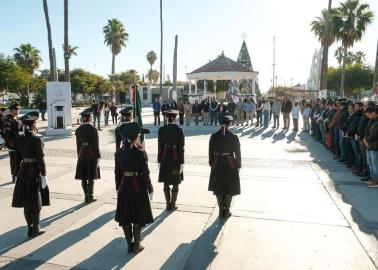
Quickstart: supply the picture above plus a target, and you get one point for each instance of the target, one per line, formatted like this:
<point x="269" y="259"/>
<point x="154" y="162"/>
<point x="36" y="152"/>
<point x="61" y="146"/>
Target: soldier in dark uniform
<point x="126" y="117"/>
<point x="12" y="129"/>
<point x="2" y="127"/>
<point x="88" y="152"/>
<point x="225" y="162"/>
<point x="171" y="143"/>
<point x="31" y="191"/>
<point x="133" y="184"/>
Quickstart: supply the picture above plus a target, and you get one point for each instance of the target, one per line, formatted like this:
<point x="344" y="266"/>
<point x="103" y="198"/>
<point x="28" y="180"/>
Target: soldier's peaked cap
<point x="226" y="119"/>
<point x="86" y="112"/>
<point x="131" y="131"/>
<point x="126" y="111"/>
<point x="30" y="117"/>
<point x="171" y="112"/>
<point x="14" y="106"/>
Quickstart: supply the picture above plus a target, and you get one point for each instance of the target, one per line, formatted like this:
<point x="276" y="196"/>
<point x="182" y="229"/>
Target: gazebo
<point x="222" y="68"/>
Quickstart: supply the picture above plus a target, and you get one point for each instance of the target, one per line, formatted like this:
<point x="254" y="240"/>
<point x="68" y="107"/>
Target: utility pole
<point x="274" y="63"/>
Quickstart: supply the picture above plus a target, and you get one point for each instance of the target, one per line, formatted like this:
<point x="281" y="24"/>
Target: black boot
<point x="29" y="222"/>
<point x="173" y="200"/>
<point x="167" y="195"/>
<point x="35" y="231"/>
<point x="84" y="185"/>
<point x="90" y="191"/>
<point x="227" y="205"/>
<point x="221" y="206"/>
<point x="127" y="230"/>
<point x="137" y="247"/>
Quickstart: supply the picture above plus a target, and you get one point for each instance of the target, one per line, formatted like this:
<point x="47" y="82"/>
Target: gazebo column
<point x="195" y="87"/>
<point x="190" y="87"/>
<point x="215" y="87"/>
<point x="254" y="86"/>
<point x="205" y="88"/>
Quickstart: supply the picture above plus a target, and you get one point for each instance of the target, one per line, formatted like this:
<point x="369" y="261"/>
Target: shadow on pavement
<point x="203" y="251"/>
<point x="18" y="236"/>
<point x="114" y="255"/>
<point x="318" y="151"/>
<point x="58" y="245"/>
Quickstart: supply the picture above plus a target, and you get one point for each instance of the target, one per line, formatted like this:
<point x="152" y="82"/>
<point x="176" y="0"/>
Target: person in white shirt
<point x="266" y="112"/>
<point x="295" y="115"/>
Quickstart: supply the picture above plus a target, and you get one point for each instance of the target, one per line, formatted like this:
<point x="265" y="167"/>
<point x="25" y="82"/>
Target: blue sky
<point x="205" y="29"/>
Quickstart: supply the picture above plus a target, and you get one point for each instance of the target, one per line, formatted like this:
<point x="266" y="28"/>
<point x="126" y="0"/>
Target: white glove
<point x="159" y="165"/>
<point x="181" y="168"/>
<point x="356" y="137"/>
<point x="98" y="162"/>
<point x="44" y="181"/>
<point x="151" y="195"/>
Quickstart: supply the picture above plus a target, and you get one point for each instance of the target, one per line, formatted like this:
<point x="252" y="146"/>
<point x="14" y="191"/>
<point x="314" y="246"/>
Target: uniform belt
<point x="131" y="174"/>
<point x="84" y="144"/>
<point x="223" y="154"/>
<point x="29" y="160"/>
<point x="171" y="146"/>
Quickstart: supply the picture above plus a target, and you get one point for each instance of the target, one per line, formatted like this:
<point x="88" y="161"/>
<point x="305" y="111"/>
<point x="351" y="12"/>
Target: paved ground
<point x="298" y="210"/>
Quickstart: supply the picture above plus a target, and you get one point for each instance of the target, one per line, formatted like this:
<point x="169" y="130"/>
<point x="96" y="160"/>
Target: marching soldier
<point x="12" y="128"/>
<point x="126" y="117"/>
<point x="171" y="143"/>
<point x="88" y="152"/>
<point x="133" y="184"/>
<point x="31" y="191"/>
<point x="225" y="162"/>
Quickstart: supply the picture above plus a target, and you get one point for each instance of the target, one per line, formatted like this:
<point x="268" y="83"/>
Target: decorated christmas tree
<point x="244" y="58"/>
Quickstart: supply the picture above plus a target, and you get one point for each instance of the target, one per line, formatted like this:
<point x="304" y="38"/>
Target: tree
<point x="161" y="48"/>
<point x="323" y="29"/>
<point x="375" y="79"/>
<point x="128" y="77"/>
<point x="115" y="37"/>
<point x="49" y="39"/>
<point x="351" y="21"/>
<point x="358" y="77"/>
<point x="359" y="57"/>
<point x="28" y="57"/>
<point x="153" y="75"/>
<point x="66" y="44"/>
<point x="151" y="58"/>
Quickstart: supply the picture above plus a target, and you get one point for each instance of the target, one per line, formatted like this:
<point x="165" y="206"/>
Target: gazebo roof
<point x="221" y="64"/>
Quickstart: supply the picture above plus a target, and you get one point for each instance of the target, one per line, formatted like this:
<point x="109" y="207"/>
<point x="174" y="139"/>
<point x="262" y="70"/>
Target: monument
<point x="59" y="107"/>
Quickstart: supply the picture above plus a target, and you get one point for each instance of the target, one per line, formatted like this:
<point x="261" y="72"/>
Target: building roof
<point x="222" y="64"/>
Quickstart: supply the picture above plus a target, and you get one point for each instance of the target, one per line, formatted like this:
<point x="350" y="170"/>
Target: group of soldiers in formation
<point x="132" y="175"/>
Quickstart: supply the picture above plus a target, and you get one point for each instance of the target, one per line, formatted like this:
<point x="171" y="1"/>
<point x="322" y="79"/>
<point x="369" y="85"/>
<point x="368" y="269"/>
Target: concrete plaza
<point x="299" y="209"/>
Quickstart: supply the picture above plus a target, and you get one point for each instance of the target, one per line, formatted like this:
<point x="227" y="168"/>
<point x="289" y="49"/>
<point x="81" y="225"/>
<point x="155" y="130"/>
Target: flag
<point x="137" y="109"/>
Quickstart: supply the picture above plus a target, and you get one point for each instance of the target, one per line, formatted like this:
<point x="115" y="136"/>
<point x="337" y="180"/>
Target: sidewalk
<point x="298" y="209"/>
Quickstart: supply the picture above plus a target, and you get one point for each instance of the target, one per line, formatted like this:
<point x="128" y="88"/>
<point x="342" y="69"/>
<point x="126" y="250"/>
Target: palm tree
<point x="351" y="21"/>
<point x="27" y="57"/>
<point x="66" y="44"/>
<point x="375" y="78"/>
<point x="340" y="56"/>
<point x="151" y="58"/>
<point x="161" y="48"/>
<point x="323" y="29"/>
<point x="115" y="37"/>
<point x="46" y="11"/>
<point x="359" y="57"/>
<point x="71" y="50"/>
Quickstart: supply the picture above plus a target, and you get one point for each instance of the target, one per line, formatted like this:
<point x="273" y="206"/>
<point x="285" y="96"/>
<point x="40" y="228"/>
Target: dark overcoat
<point x="133" y="184"/>
<point x="28" y="192"/>
<point x="88" y="152"/>
<point x="171" y="142"/>
<point x="225" y="162"/>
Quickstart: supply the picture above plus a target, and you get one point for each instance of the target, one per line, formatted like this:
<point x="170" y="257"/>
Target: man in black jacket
<point x="343" y="128"/>
<point x="371" y="143"/>
<point x="286" y="110"/>
<point x="352" y="132"/>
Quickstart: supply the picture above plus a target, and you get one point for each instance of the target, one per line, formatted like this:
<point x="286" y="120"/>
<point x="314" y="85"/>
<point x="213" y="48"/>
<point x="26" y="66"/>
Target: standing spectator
<point x="271" y="110"/>
<point x="286" y="110"/>
<point x="42" y="109"/>
<point x="188" y="112"/>
<point x="266" y="111"/>
<point x="240" y="112"/>
<point x="259" y="109"/>
<point x="206" y="109"/>
<point x="96" y="114"/>
<point x="173" y="105"/>
<point x="180" y="107"/>
<point x="295" y="114"/>
<point x="164" y="108"/>
<point x="342" y="128"/>
<point x="196" y="111"/>
<point x="221" y="110"/>
<point x="352" y="132"/>
<point x="106" y="112"/>
<point x="213" y="111"/>
<point x="371" y="143"/>
<point x="276" y="110"/>
<point x="334" y="125"/>
<point x="231" y="107"/>
<point x="248" y="108"/>
<point x="306" y="117"/>
<point x="113" y="112"/>
<point x="156" y="107"/>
